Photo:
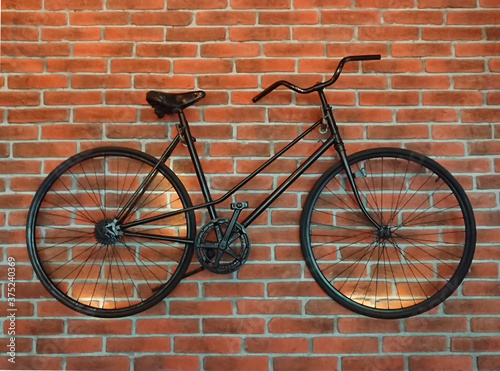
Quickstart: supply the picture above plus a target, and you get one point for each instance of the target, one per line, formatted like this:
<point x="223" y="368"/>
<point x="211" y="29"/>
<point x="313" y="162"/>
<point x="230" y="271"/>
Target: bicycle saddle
<point x="164" y="103"/>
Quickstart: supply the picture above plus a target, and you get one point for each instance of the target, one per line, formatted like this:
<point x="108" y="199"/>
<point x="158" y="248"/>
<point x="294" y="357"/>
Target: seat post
<point x="185" y="133"/>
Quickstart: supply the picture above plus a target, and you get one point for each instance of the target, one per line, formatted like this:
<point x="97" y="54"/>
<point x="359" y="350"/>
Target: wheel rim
<point x="416" y="257"/>
<point x="84" y="257"/>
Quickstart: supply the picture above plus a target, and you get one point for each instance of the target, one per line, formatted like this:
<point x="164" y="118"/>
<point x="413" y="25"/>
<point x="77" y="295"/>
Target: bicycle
<point x="386" y="232"/>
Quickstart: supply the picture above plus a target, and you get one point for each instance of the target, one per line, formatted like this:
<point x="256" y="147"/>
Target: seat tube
<point x="185" y="133"/>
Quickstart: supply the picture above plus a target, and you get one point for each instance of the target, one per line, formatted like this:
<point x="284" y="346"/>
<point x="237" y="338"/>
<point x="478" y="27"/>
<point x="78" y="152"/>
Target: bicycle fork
<point x="338" y="144"/>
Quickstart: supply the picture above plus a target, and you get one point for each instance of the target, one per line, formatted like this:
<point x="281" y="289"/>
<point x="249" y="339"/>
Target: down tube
<point x="288" y="182"/>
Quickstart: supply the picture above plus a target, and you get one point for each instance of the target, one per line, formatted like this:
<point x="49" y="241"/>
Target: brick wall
<point x="75" y="74"/>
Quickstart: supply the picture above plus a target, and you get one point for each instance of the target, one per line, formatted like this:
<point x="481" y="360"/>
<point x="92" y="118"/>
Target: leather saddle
<point x="164" y="103"/>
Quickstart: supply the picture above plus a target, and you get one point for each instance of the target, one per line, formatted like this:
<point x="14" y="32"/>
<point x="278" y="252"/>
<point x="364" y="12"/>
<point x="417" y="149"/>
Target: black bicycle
<point x="386" y="232"/>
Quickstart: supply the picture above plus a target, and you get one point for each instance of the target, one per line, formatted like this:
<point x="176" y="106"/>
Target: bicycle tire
<point x="416" y="262"/>
<point x="64" y="234"/>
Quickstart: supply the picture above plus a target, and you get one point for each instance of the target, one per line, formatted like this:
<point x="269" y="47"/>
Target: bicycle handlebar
<point x="319" y="85"/>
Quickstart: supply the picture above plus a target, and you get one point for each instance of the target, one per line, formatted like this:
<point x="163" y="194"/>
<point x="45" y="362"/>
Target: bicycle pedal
<point x="239" y="205"/>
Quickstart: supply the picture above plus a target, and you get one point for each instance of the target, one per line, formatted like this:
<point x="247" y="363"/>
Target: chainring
<point x="212" y="254"/>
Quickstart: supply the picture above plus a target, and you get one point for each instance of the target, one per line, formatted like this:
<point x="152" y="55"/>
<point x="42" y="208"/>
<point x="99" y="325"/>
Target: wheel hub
<point x="107" y="232"/>
<point x="384" y="233"/>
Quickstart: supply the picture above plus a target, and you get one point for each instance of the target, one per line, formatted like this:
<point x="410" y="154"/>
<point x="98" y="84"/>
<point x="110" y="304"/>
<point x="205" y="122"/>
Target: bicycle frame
<point x="184" y="135"/>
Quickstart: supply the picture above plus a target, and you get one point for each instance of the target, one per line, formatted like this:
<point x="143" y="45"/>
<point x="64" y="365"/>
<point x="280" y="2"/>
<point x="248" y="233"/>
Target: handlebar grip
<point x="266" y="91"/>
<point x="261" y="95"/>
<point x="372" y="57"/>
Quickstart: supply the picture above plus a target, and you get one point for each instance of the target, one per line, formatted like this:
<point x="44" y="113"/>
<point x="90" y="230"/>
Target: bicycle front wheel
<point x="83" y="258"/>
<point x="417" y="258"/>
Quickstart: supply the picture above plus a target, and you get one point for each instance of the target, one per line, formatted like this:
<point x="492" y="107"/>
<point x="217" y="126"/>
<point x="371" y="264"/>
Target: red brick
<point x="25" y="5"/>
<point x="387" y="363"/>
<point x="389" y="99"/>
<point x="293" y="50"/>
<point x="29" y="362"/>
<point x="38" y="82"/>
<point x="68" y="345"/>
<point x="305" y="363"/>
<point x="398" y="132"/>
<point x="468" y="50"/>
<point x="76" y="65"/>
<point x="388" y="33"/>
<point x="237" y="114"/>
<point x="467" y="306"/>
<point x="259" y="33"/>
<point x="415" y="344"/>
<point x="193" y="34"/>
<point x="485" y="324"/>
<point x="452" y="33"/>
<point x="260" y="4"/>
<point x="55" y="49"/>
<point x="21" y="65"/>
<point x="167" y="326"/>
<point x="477" y="82"/>
<point x="225" y="18"/>
<point x="480" y="115"/>
<point x="345" y="345"/>
<point x="34" y="327"/>
<point x="23" y="98"/>
<point x="98" y="18"/>
<point x="168" y="18"/>
<point x="71" y="34"/>
<point x="138" y="345"/>
<point x="447" y="3"/>
<point x="470" y="17"/>
<point x="269" y="307"/>
<point x="295" y="289"/>
<point x="201" y="4"/>
<point x="98" y="363"/>
<point x="135" y="4"/>
<point x="441" y="362"/>
<point x="134" y="34"/>
<point x="236" y="363"/>
<point x="421" y="50"/>
<point x="79" y="327"/>
<point x="301" y="325"/>
<point x="453" y="65"/>
<point x="207" y="344"/>
<point x="350" y="17"/>
<point x="295" y="17"/>
<point x="230" y="289"/>
<point x="234" y="326"/>
<point x="276" y="345"/>
<point x="225" y="50"/>
<point x="420" y="82"/>
<point x="105" y="114"/>
<point x="20" y="34"/>
<point x="323" y="34"/>
<point x="413" y="17"/>
<point x="33" y="18"/>
<point x="452" y="98"/>
<point x="385" y="3"/>
<point x="343" y="49"/>
<point x="367" y="325"/>
<point x="471" y="344"/>
<point x="73" y="4"/>
<point x="488" y="363"/>
<point x="178" y="363"/>
<point x="103" y="49"/>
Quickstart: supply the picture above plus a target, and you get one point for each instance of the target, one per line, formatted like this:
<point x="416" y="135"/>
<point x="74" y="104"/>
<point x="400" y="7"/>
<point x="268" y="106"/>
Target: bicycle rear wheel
<point x="418" y="258"/>
<point x="87" y="262"/>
